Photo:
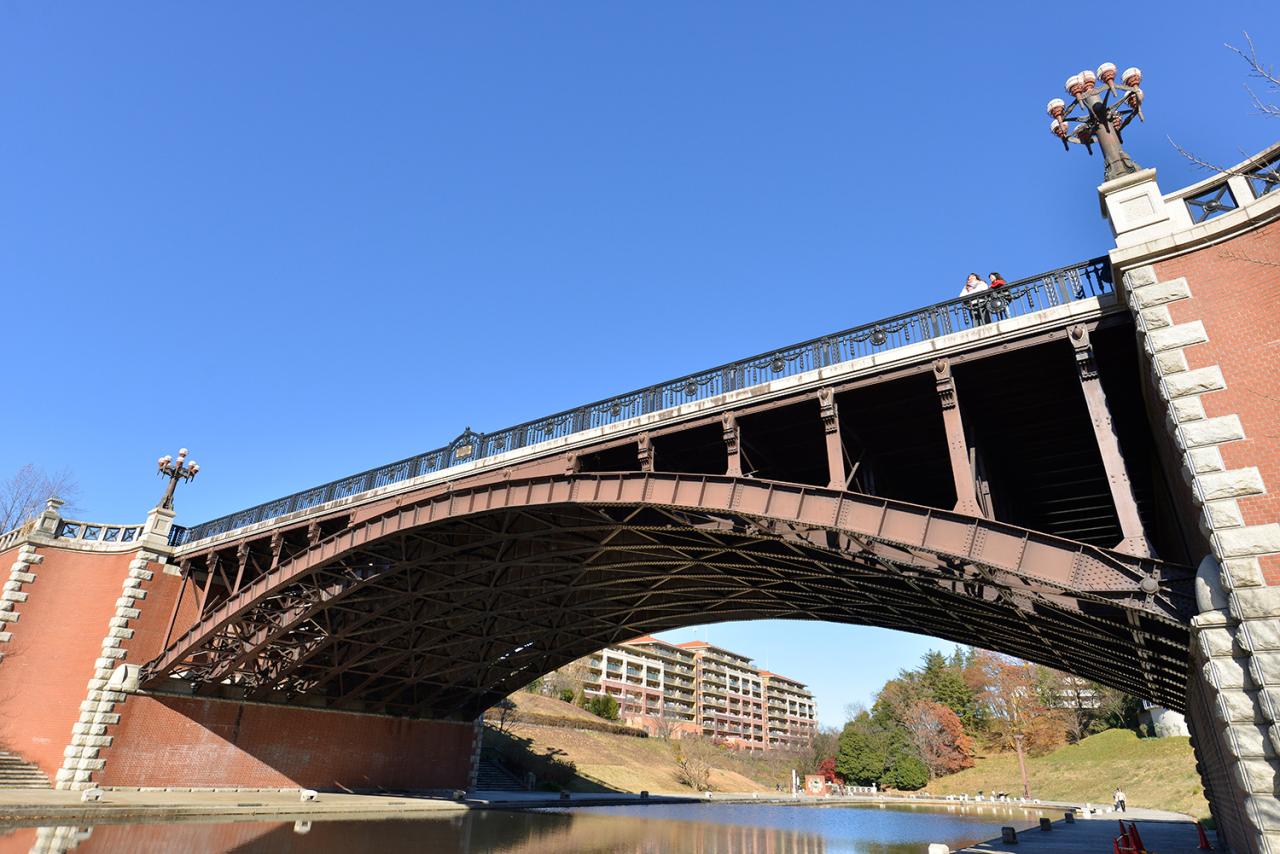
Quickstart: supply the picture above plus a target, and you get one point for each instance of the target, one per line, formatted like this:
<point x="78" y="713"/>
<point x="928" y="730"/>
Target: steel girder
<point x="440" y="607"/>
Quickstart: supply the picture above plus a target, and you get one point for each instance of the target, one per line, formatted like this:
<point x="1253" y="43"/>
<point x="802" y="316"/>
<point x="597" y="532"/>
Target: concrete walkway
<point x="1165" y="835"/>
<point x="37" y="806"/>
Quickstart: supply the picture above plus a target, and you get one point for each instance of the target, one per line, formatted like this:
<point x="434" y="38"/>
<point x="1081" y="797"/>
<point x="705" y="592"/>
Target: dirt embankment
<point x="607" y="758"/>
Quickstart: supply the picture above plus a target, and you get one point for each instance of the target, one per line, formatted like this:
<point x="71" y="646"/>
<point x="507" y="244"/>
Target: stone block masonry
<point x="1236" y="370"/>
<point x="1207" y="321"/>
<point x="85" y="755"/>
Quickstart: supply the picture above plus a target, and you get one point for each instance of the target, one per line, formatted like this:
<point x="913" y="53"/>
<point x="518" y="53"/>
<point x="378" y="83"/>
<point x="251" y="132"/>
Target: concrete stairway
<point x="17" y="774"/>
<point x="492" y="777"/>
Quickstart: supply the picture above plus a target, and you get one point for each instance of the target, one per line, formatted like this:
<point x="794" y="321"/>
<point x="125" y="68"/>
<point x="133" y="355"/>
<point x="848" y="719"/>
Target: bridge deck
<point x="901" y="334"/>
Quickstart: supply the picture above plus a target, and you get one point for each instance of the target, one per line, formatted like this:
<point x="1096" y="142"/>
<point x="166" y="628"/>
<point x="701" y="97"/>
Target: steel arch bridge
<point x="443" y="603"/>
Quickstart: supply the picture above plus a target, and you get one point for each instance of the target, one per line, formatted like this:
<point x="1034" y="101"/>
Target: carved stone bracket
<point x="945" y="384"/>
<point x="732" y="436"/>
<point x="1079" y="337"/>
<point x="827" y="409"/>
<point x="644" y="452"/>
<point x="277" y="545"/>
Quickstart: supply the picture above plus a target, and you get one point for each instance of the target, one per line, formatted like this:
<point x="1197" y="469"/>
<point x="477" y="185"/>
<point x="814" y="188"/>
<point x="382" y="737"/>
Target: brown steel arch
<point x="440" y="607"/>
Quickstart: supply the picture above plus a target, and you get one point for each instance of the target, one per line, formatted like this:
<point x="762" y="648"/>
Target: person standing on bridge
<point x="978" y="306"/>
<point x="997" y="305"/>
<point x="973" y="285"/>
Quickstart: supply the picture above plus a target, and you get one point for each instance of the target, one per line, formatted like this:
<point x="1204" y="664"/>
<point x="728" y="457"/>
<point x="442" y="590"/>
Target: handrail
<point x="1025" y="296"/>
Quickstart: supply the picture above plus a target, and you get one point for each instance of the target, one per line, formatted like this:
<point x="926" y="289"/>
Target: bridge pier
<point x="1135" y="540"/>
<point x="957" y="444"/>
<point x="1205" y="297"/>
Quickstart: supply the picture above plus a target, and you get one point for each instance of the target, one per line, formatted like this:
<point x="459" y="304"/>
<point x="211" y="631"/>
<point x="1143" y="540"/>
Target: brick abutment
<point x="85" y="754"/>
<point x="1205" y="302"/>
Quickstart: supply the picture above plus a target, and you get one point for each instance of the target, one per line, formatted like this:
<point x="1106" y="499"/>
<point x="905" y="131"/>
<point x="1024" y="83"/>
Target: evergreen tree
<point x="863" y="753"/>
<point x="907" y="773"/>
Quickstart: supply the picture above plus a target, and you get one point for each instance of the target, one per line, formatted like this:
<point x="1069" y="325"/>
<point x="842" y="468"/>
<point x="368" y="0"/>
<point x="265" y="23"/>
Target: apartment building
<point x="790" y="710"/>
<point x="698" y="688"/>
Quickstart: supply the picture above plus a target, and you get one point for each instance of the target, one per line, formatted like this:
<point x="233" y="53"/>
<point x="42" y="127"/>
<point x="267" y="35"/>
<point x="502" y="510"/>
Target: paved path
<point x="1163" y="834"/>
<point x="34" y="806"/>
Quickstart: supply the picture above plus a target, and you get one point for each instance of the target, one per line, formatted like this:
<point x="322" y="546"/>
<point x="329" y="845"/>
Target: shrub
<point x="603" y="706"/>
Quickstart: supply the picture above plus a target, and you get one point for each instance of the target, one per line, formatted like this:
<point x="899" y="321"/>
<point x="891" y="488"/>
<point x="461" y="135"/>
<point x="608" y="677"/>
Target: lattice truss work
<point x="440" y="608"/>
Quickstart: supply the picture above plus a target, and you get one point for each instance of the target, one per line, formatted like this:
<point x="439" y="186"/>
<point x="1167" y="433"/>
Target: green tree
<point x="863" y="752"/>
<point x="907" y="773"/>
<point x="944" y="680"/>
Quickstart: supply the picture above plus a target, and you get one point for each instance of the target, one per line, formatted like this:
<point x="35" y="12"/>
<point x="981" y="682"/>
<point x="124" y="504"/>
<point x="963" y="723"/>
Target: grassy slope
<point x="624" y="763"/>
<point x="620" y="762"/>
<point x="1154" y="772"/>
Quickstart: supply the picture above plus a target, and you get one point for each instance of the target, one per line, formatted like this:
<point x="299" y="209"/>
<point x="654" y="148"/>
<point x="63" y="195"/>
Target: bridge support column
<point x="957" y="445"/>
<point x="732" y="436"/>
<point x="835" y="447"/>
<point x="1134" y="535"/>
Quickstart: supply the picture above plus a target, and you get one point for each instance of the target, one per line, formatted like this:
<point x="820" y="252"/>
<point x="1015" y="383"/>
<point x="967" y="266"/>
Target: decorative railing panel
<point x="1056" y="287"/>
<point x="92" y="532"/>
<point x="1232" y="189"/>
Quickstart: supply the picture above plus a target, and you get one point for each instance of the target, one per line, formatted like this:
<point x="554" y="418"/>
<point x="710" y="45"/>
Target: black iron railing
<point x="1056" y="287"/>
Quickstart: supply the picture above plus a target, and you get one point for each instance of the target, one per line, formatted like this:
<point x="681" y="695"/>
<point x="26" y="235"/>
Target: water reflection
<point x="694" y="828"/>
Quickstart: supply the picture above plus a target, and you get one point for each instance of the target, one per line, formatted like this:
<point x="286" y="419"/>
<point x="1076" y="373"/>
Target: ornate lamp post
<point x="175" y="471"/>
<point x="1103" y="108"/>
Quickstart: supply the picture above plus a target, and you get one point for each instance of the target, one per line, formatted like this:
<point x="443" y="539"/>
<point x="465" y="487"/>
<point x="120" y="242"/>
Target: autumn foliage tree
<point x="1016" y="707"/>
<point x="939" y="737"/>
<point x="827" y="769"/>
<point x="930" y="720"/>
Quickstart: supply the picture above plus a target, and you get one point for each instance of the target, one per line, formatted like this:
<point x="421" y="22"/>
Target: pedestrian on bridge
<point x="978" y="306"/>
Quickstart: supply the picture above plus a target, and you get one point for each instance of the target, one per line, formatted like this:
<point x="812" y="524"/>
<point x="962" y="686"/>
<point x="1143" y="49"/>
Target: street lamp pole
<point x="1103" y="108"/>
<point x="175" y="470"/>
<point x="1022" y="765"/>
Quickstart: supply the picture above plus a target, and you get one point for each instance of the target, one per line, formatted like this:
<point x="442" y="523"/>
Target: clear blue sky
<point x="304" y="239"/>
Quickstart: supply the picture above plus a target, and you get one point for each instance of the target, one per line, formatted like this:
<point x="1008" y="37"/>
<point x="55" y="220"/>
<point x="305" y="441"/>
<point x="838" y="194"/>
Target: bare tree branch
<point x="1235" y="256"/>
<point x="1262" y="72"/>
<point x="24" y="495"/>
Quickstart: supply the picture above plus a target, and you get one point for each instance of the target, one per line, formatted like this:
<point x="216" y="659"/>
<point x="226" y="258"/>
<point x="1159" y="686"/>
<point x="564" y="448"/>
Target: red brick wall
<point x="187" y="741"/>
<point x="154" y="612"/>
<point x="1235" y="293"/>
<point x="57" y="637"/>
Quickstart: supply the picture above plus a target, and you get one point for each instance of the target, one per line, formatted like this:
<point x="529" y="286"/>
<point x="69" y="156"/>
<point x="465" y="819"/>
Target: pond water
<point x="693" y="828"/>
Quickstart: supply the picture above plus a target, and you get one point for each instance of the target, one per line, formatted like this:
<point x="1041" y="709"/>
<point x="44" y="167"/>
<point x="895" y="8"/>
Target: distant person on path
<point x="1118" y="798"/>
